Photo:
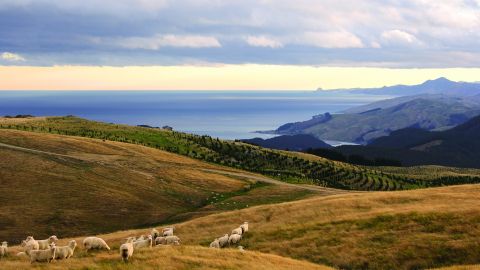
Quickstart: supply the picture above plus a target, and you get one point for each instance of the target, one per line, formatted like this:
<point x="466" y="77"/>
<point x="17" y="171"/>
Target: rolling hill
<point x="366" y="123"/>
<point x="74" y="186"/>
<point x="291" y="167"/>
<point x="458" y="147"/>
<point x="417" y="229"/>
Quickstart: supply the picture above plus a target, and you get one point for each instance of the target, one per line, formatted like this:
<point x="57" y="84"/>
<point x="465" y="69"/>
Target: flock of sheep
<point x="233" y="239"/>
<point x="47" y="251"/>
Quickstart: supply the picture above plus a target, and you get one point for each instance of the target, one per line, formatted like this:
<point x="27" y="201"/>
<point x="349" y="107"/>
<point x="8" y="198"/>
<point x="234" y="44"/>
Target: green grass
<point x="284" y="166"/>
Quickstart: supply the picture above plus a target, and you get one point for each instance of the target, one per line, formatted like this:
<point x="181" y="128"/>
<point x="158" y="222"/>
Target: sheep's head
<point x="4" y="243"/>
<point x="52" y="246"/>
<point x="24" y="243"/>
<point x="29" y="238"/>
<point x="53" y="239"/>
<point x="72" y="244"/>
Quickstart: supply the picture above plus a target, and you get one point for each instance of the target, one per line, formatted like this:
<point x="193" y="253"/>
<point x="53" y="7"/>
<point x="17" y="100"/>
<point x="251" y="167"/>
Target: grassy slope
<point x="171" y="258"/>
<point x="79" y="185"/>
<point x="399" y="230"/>
<point x="288" y="167"/>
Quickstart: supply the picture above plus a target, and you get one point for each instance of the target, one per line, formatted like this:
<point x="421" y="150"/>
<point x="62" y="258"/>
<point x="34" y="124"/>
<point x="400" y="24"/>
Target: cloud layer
<point x="382" y="33"/>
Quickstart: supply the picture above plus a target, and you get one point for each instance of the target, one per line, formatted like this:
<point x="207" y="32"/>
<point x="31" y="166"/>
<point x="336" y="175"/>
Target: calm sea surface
<point x="223" y="114"/>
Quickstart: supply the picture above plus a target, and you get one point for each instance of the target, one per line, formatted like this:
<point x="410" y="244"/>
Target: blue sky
<point x="354" y="33"/>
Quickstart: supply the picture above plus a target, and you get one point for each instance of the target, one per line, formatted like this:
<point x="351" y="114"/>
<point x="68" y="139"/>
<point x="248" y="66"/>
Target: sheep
<point x="223" y="241"/>
<point x="172" y="240"/>
<point x="143" y="243"/>
<point x="94" y="243"/>
<point x="215" y="244"/>
<point x="244" y="227"/>
<point x="160" y="241"/>
<point x="238" y="231"/>
<point x="126" y="250"/>
<point x="168" y="232"/>
<point x="47" y="255"/>
<point x="142" y="237"/>
<point x="21" y="254"/>
<point x="241" y="248"/>
<point x="65" y="252"/>
<point x="44" y="244"/>
<point x="234" y="239"/>
<point x="30" y="244"/>
<point x="3" y="249"/>
<point x="154" y="234"/>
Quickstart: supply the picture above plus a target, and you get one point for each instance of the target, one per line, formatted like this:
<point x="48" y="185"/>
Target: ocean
<point x="222" y="114"/>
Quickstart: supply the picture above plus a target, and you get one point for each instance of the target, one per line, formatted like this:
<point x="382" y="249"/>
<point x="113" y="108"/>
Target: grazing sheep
<point x="238" y="231"/>
<point x="154" y="234"/>
<point x="143" y="243"/>
<point x="241" y="248"/>
<point x="21" y="254"/>
<point x="3" y="249"/>
<point x="47" y="255"/>
<point x="223" y="241"/>
<point x="215" y="244"/>
<point x="126" y="250"/>
<point x="44" y="244"/>
<point x="160" y="241"/>
<point x="30" y="244"/>
<point x="172" y="240"/>
<point x="234" y="239"/>
<point x="65" y="252"/>
<point x="168" y="232"/>
<point x="244" y="227"/>
<point x="94" y="243"/>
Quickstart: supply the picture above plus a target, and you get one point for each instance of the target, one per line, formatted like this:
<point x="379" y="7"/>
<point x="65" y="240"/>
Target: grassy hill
<point x="417" y="229"/>
<point x="286" y="166"/>
<point x="54" y="184"/>
<point x="173" y="258"/>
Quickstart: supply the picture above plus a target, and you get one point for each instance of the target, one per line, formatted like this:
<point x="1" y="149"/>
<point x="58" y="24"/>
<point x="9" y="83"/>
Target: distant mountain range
<point x="458" y="147"/>
<point x="437" y="86"/>
<point x="299" y="142"/>
<point x="436" y="105"/>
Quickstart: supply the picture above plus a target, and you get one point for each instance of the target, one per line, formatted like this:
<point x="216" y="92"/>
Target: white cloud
<point x="263" y="41"/>
<point x="399" y="38"/>
<point x="12" y="57"/>
<point x="338" y="39"/>
<point x="158" y="41"/>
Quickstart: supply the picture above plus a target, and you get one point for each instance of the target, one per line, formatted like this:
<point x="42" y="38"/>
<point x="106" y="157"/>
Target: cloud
<point x="263" y="41"/>
<point x="400" y="38"/>
<point x="158" y="41"/>
<point x="338" y="40"/>
<point x="12" y="57"/>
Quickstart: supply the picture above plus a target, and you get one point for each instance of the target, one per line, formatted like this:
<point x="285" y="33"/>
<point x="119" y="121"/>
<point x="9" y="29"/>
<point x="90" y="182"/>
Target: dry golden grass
<point x="396" y="230"/>
<point x="63" y="185"/>
<point x="460" y="267"/>
<point x="170" y="258"/>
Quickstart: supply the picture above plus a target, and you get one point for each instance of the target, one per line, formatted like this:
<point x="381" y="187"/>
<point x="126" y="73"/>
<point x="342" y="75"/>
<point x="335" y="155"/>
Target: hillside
<point x="417" y="229"/>
<point x="289" y="167"/>
<point x="173" y="258"/>
<point x="366" y="123"/>
<point x="458" y="147"/>
<point x="74" y="186"/>
<point x="298" y="142"/>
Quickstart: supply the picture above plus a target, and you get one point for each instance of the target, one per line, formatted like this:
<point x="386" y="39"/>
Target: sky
<point x="235" y="44"/>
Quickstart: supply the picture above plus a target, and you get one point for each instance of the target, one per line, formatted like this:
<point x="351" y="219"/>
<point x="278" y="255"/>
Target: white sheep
<point x="3" y="249"/>
<point x="160" y="241"/>
<point x="234" y="239"/>
<point x="65" y="252"/>
<point x="44" y="244"/>
<point x="215" y="244"/>
<point x="94" y="243"/>
<point x="244" y="227"/>
<point x="30" y="244"/>
<point x="238" y="231"/>
<point x="154" y="234"/>
<point x="21" y="254"/>
<point x="241" y="248"/>
<point x="143" y="243"/>
<point x="223" y="241"/>
<point x="126" y="250"/>
<point x="172" y="240"/>
<point x="142" y="237"/>
<point x="168" y="232"/>
<point x="47" y="255"/>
